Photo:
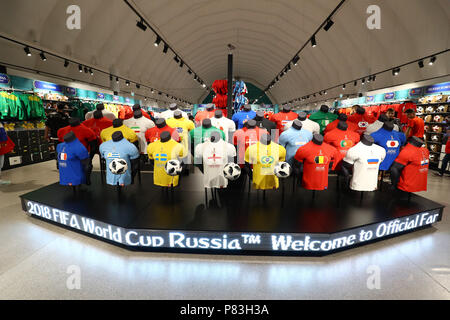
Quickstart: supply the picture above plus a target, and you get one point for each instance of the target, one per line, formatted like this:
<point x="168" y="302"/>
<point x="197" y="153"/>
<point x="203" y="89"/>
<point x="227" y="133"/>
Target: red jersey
<point x="333" y="125"/>
<point x="83" y="133"/>
<point x="153" y="134"/>
<point x="417" y="127"/>
<point x="316" y="160"/>
<point x="243" y="138"/>
<point x="282" y="118"/>
<point x="401" y="108"/>
<point x="127" y="112"/>
<point x="361" y="120"/>
<point x="97" y="125"/>
<point x="447" y="146"/>
<point x="342" y="141"/>
<point x="414" y="174"/>
<point x="202" y="115"/>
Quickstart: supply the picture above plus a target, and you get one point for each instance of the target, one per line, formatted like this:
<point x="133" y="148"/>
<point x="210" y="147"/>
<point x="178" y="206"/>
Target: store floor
<point x="37" y="260"/>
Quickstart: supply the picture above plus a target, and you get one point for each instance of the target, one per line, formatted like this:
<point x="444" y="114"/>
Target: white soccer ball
<point x="231" y="171"/>
<point x="420" y="110"/>
<point x="118" y="166"/>
<point x="173" y="167"/>
<point x="442" y="109"/>
<point x="282" y="170"/>
<point x="429" y="109"/>
<point x="435" y="138"/>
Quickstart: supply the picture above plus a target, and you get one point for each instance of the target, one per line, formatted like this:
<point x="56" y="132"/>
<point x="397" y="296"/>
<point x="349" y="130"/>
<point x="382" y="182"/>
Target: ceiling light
<point x="86" y="70"/>
<point x="313" y="41"/>
<point x="141" y="25"/>
<point x="189" y="71"/>
<point x="363" y="81"/>
<point x="166" y="47"/>
<point x="295" y="60"/>
<point x="80" y="68"/>
<point x="176" y="59"/>
<point x="373" y="78"/>
<point x="432" y="60"/>
<point x="157" y="41"/>
<point x="181" y="64"/>
<point x="395" y="71"/>
<point x="66" y="63"/>
<point x="117" y="79"/>
<point x="343" y="86"/>
<point x="420" y="63"/>
<point x="91" y="72"/>
<point x="325" y="91"/>
<point x="153" y="91"/>
<point x="127" y="83"/>
<point x="42" y="55"/>
<point x="27" y="51"/>
<point x="138" y="86"/>
<point x="328" y="25"/>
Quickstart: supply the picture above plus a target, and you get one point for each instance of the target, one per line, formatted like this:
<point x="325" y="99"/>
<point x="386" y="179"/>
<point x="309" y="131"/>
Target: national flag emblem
<point x="113" y="155"/>
<point x="267" y="159"/>
<point x="363" y="124"/>
<point x="63" y="156"/>
<point x="161" y="157"/>
<point x="179" y="130"/>
<point x="320" y="159"/>
<point x="392" y="143"/>
<point x="424" y="162"/>
<point x="346" y="143"/>
<point x="372" y="161"/>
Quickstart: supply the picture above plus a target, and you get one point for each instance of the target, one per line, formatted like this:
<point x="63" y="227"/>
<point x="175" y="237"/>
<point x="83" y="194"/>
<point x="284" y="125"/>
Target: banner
<point x="47" y="86"/>
<point x="4" y="79"/>
<point x="438" y="88"/>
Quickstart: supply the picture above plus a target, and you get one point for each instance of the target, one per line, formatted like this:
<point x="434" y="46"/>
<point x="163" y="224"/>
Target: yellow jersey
<point x="128" y="134"/>
<point x="183" y="126"/>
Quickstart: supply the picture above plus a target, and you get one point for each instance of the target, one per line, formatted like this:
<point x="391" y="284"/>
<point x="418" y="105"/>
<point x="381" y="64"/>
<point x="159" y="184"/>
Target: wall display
<point x="264" y="158"/>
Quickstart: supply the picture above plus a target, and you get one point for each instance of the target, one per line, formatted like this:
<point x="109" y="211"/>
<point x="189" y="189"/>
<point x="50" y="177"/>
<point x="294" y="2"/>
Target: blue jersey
<point x="391" y="141"/>
<point x="292" y="139"/>
<point x="122" y="149"/>
<point x="70" y="155"/>
<point x="242" y="117"/>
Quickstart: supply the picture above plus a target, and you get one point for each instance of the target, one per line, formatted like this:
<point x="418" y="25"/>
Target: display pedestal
<point x="284" y="224"/>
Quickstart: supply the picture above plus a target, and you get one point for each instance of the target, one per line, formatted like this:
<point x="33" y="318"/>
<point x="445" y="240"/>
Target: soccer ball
<point x="442" y="109"/>
<point x="437" y="129"/>
<point x="282" y="170"/>
<point x="173" y="167"/>
<point x="433" y="158"/>
<point x="231" y="171"/>
<point x="435" y="138"/>
<point x="438" y="118"/>
<point x="419" y="110"/>
<point x="118" y="166"/>
<point x="429" y="118"/>
<point x="434" y="147"/>
<point x="429" y="109"/>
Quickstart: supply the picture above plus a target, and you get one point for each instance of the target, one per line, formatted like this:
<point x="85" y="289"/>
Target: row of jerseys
<point x="375" y="111"/>
<point x="20" y="106"/>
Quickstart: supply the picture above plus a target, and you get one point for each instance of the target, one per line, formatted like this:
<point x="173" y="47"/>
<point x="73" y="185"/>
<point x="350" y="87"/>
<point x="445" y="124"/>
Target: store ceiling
<point x="266" y="34"/>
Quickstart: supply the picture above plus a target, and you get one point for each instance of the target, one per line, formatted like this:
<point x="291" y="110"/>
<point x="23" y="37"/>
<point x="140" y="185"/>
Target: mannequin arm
<point x="93" y="148"/>
<point x="87" y="166"/>
<point x="248" y="170"/>
<point x="134" y="167"/>
<point x="346" y="169"/>
<point x="297" y="168"/>
<point x="396" y="170"/>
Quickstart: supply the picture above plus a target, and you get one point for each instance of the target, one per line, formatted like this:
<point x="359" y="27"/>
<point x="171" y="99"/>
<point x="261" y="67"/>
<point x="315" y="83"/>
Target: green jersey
<point x="323" y="119"/>
<point x="4" y="105"/>
<point x="200" y="134"/>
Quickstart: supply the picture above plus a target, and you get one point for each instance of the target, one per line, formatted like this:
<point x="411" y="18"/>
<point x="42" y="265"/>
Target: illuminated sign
<point x="4" y="79"/>
<point x="47" y="86"/>
<point x="389" y="96"/>
<point x="311" y="243"/>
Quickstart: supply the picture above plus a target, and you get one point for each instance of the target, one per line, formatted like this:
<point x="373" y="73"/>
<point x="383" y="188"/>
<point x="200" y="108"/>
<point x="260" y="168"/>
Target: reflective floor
<point x="43" y="261"/>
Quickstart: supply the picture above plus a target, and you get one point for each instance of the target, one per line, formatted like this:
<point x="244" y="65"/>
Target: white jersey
<point x="307" y="124"/>
<point x="140" y="127"/>
<point x="106" y="113"/>
<point x="377" y="125"/>
<point x="169" y="114"/>
<point x="214" y="156"/>
<point x="366" y="162"/>
<point x="226" y="125"/>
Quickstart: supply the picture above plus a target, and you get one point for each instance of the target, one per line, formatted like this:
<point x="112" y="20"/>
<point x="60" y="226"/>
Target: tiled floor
<point x="35" y="257"/>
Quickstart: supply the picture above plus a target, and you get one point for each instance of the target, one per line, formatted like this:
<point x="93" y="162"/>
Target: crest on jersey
<point x="392" y="144"/>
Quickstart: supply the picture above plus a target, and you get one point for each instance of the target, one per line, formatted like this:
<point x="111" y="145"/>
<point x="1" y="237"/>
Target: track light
<point x="189" y="71"/>
<point x="138" y="86"/>
<point x="325" y="91"/>
<point x="117" y="79"/>
<point x="166" y="47"/>
<point x="420" y="63"/>
<point x="176" y="59"/>
<point x="141" y="25"/>
<point x="127" y="83"/>
<point x="42" y="55"/>
<point x="153" y="91"/>
<point x="432" y="60"/>
<point x="157" y="41"/>
<point x="363" y="81"/>
<point x="328" y="25"/>
<point x="343" y="86"/>
<point x="110" y="77"/>
<point x="27" y="51"/>
<point x="288" y="67"/>
<point x="91" y="72"/>
<point x="295" y="60"/>
<point x="181" y="64"/>
<point x="86" y="70"/>
<point x="80" y="68"/>
<point x="313" y="41"/>
<point x="395" y="71"/>
<point x="373" y="77"/>
<point x="355" y="83"/>
<point x="66" y="63"/>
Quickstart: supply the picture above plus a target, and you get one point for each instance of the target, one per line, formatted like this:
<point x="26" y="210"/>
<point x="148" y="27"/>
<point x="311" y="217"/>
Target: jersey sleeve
<point x="281" y="153"/>
<point x="82" y="152"/>
<point x="181" y="151"/>
<point x="351" y="155"/>
<point x="147" y="135"/>
<point x="150" y="149"/>
<point x="90" y="135"/>
<point x="175" y="136"/>
<point x="335" y="157"/>
<point x="402" y="138"/>
<point x="300" y="155"/>
<point x="60" y="134"/>
<point x="231" y="150"/>
<point x="101" y="150"/>
<point x="403" y="158"/>
<point x="190" y="125"/>
<point x="198" y="154"/>
<point x="103" y="134"/>
<point x="247" y="156"/>
<point x="133" y="152"/>
<point x="132" y="136"/>
<point x="283" y="141"/>
<point x="222" y="134"/>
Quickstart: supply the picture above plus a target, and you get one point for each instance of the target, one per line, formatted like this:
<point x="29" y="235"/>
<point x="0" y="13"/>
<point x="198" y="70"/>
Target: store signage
<point x="389" y="95"/>
<point x="47" y="86"/>
<point x="100" y="96"/>
<point x="4" y="79"/>
<point x="415" y="92"/>
<point x="438" y="88"/>
<point x="127" y="100"/>
<point x="116" y="98"/>
<point x="369" y="98"/>
<point x="235" y="241"/>
<point x="71" y="91"/>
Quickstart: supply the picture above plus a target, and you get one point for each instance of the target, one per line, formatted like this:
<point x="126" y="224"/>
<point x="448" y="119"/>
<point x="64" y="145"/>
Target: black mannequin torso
<point x="324" y="108"/>
<point x="297" y="124"/>
<point x="251" y="124"/>
<point x="317" y="139"/>
<point x="74" y="122"/>
<point x="383" y="118"/>
<point x="342" y="117"/>
<point x="360" y="110"/>
<point x="286" y="109"/>
<point x="342" y="125"/>
<point x="218" y="114"/>
<point x="388" y="125"/>
<point x="117" y="136"/>
<point x="247" y="108"/>
<point x="265" y="139"/>
<point x="136" y="107"/>
<point x="137" y="114"/>
<point x="259" y="116"/>
<point x="160" y="123"/>
<point x="98" y="114"/>
<point x="367" y="139"/>
<point x="164" y="136"/>
<point x="173" y="108"/>
<point x="117" y="123"/>
<point x="302" y="116"/>
<point x="209" y="108"/>
<point x="206" y="123"/>
<point x="177" y="114"/>
<point x="69" y="137"/>
<point x="100" y="107"/>
<point x="215" y="137"/>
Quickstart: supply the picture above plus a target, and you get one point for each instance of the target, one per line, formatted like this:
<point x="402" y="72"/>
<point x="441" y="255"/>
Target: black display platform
<point x="149" y="218"/>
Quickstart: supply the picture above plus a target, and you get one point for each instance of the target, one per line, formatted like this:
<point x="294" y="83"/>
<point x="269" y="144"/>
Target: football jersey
<point x="342" y="141"/>
<point x="130" y="135"/>
<point x="292" y="139"/>
<point x="70" y="155"/>
<point x="106" y="114"/>
<point x="154" y="133"/>
<point x="202" y="115"/>
<point x="97" y="125"/>
<point x="214" y="155"/>
<point x="391" y="141"/>
<point x="122" y="149"/>
<point x="377" y="125"/>
<point x="414" y="175"/>
<point x="316" y="161"/>
<point x="268" y="125"/>
<point x="361" y="120"/>
<point x="169" y="114"/>
<point x="417" y="127"/>
<point x="140" y="127"/>
<point x="281" y="119"/>
<point x="333" y="125"/>
<point x="243" y="138"/>
<point x="226" y="125"/>
<point x="83" y="134"/>
<point x="366" y="161"/>
<point x="161" y="152"/>
<point x="202" y="134"/>
<point x="264" y="158"/>
<point x="242" y="117"/>
<point x="182" y="126"/>
<point x="323" y="119"/>
<point x="307" y="124"/>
